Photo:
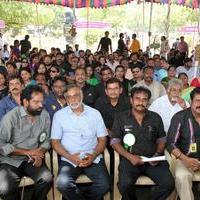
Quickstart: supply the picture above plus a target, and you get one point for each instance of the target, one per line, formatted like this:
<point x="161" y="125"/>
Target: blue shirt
<point x="78" y="133"/>
<point x="159" y="74"/>
<point x="7" y="104"/>
<point x="51" y="105"/>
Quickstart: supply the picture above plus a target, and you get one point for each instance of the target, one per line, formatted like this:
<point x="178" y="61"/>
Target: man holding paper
<point x="136" y="133"/>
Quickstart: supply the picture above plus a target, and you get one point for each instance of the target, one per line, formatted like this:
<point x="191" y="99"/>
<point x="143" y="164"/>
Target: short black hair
<point x="28" y="91"/>
<point x="171" y="66"/>
<point x="25" y="69"/>
<point x="194" y="92"/>
<point x="133" y="66"/>
<point x="186" y="60"/>
<point x="59" y="53"/>
<point x="105" y="68"/>
<point x="141" y="89"/>
<point x="58" y="78"/>
<point x="119" y="66"/>
<point x="147" y="67"/>
<point x="113" y="80"/>
<point x="182" y="73"/>
<point x="15" y="77"/>
<point x="39" y="74"/>
<point x="134" y="53"/>
<point x="11" y="63"/>
<point x="121" y="34"/>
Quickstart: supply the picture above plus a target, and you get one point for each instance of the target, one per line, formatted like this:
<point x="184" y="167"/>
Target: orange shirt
<point x="135" y="46"/>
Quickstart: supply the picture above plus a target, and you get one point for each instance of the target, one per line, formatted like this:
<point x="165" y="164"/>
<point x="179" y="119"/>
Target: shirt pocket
<point x="88" y="131"/>
<point x="151" y="133"/>
<point x="69" y="131"/>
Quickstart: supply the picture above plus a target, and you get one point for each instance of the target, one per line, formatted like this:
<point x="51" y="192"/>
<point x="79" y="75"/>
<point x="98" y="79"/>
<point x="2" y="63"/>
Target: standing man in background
<point x="135" y="45"/>
<point x="105" y="43"/>
<point x="25" y="45"/>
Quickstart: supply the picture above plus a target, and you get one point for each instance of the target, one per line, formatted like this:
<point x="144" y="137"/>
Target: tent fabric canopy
<point x="188" y="3"/>
<point x="81" y="3"/>
<point x="108" y="3"/>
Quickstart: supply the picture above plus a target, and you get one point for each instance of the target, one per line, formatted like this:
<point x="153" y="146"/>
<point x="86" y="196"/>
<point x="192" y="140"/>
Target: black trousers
<point x="10" y="177"/>
<point x="160" y="174"/>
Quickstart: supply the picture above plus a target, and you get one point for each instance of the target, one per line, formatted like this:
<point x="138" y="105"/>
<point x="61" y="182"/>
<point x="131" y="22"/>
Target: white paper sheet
<point x="158" y="158"/>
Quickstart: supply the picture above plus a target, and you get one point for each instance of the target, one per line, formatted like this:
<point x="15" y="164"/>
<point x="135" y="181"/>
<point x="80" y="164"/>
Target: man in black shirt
<point x="89" y="94"/>
<point x="110" y="104"/>
<point x="106" y="73"/>
<point x="105" y="43"/>
<point x="139" y="132"/>
<point x="113" y="102"/>
<point x="25" y="45"/>
<point x="184" y="143"/>
<point x="121" y="44"/>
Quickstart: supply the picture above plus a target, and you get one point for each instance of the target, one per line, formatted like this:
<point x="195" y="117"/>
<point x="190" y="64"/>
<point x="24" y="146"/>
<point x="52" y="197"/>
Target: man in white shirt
<point x="111" y="62"/>
<point x="169" y="104"/>
<point x="190" y="70"/>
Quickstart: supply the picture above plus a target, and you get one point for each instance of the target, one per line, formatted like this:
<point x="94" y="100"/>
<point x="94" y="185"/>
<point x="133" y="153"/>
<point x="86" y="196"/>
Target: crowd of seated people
<point x="79" y="102"/>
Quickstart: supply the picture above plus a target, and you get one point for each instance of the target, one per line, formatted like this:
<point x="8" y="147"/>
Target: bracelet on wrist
<point x="94" y="153"/>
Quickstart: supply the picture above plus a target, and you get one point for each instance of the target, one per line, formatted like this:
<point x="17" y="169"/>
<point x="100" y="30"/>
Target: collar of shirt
<point x="72" y="112"/>
<point x="106" y="100"/>
<point x="9" y="100"/>
<point x="23" y="113"/>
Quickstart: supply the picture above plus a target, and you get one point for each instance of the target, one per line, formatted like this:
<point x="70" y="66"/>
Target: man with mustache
<point x="79" y="137"/>
<point x="135" y="133"/>
<point x="24" y="139"/>
<point x="13" y="98"/>
<point x="171" y="103"/>
<point x="184" y="143"/>
<point x="89" y="93"/>
<point x="156" y="88"/>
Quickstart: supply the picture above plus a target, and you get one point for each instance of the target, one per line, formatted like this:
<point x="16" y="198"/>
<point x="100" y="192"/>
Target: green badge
<point x="42" y="137"/>
<point x="53" y="107"/>
<point x="129" y="141"/>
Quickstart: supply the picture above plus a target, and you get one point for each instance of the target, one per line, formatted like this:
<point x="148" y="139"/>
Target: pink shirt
<point x="183" y="47"/>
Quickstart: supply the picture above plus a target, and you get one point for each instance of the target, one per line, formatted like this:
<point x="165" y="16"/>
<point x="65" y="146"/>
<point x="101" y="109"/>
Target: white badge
<point x="42" y="137"/>
<point x="129" y="139"/>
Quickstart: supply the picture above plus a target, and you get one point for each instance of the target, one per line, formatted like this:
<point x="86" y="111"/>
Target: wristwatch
<point x="94" y="153"/>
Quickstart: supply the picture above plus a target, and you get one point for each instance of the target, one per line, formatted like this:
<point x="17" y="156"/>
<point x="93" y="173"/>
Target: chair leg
<point x="107" y="196"/>
<point x="173" y="196"/>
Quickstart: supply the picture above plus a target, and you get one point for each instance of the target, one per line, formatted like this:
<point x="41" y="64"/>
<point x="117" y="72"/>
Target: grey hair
<point x="173" y="82"/>
<point x="72" y="86"/>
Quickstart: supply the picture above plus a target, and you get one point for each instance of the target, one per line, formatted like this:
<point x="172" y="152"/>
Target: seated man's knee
<point x="6" y="184"/>
<point x="169" y="183"/>
<point x="125" y="184"/>
<point x="182" y="177"/>
<point x="104" y="187"/>
<point x="45" y="177"/>
<point x="4" y="189"/>
<point x="64" y="182"/>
